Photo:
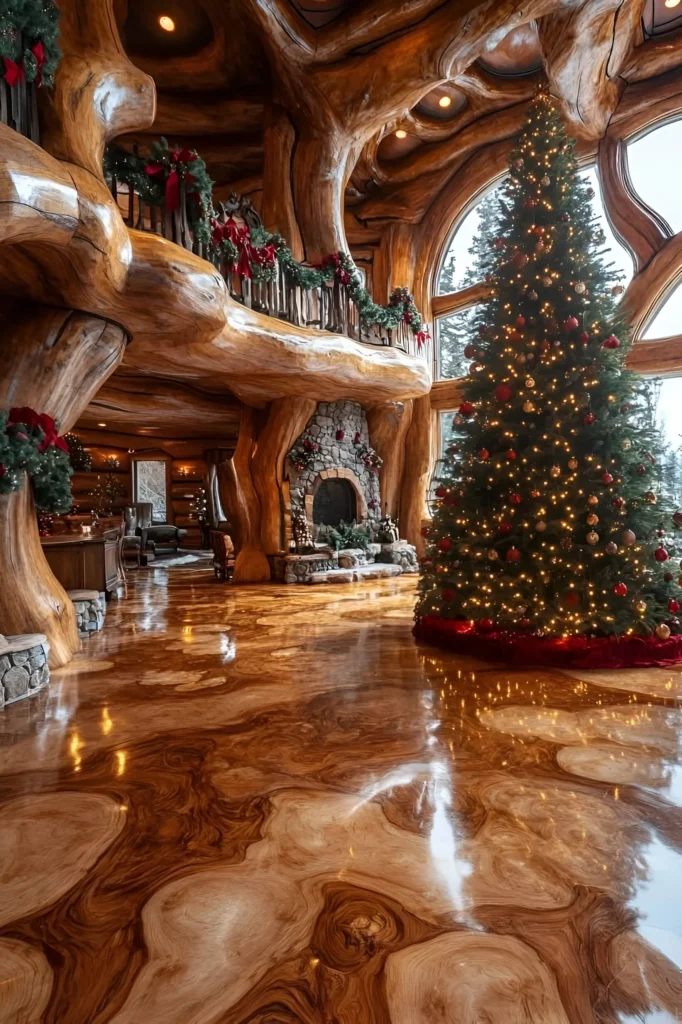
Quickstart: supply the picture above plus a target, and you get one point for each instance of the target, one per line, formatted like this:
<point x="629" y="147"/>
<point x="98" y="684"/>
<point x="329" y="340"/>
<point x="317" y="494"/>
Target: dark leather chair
<point x="155" y="535"/>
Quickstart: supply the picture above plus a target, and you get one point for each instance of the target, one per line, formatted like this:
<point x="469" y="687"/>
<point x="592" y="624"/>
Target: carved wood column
<point x="416" y="476"/>
<point x="388" y="425"/>
<point x="287" y="418"/>
<point x="54" y="360"/>
<point x="241" y="505"/>
<point x="278" y="202"/>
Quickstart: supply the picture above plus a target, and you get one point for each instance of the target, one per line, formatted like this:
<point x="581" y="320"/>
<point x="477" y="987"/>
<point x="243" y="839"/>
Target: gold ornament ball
<point x="592" y="519"/>
<point x="572" y="463"/>
<point x="592" y="538"/>
<point x="662" y="631"/>
<point x="540" y="526"/>
<point x="545" y="180"/>
<point x="640" y="607"/>
<point x="555" y="471"/>
<point x="611" y="548"/>
<point x="493" y="555"/>
<point x="547" y="281"/>
<point x="533" y="296"/>
<point x="528" y="407"/>
<point x="530" y="383"/>
<point x="580" y="287"/>
<point x="521" y="358"/>
<point x="627" y="444"/>
<point x="593" y="500"/>
<point x="628" y="538"/>
<point x="650" y="497"/>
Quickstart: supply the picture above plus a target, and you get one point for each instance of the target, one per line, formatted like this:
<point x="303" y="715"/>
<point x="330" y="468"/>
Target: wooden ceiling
<point x="225" y="64"/>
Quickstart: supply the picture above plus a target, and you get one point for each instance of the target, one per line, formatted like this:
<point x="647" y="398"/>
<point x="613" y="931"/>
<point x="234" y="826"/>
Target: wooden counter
<point x="84" y="562"/>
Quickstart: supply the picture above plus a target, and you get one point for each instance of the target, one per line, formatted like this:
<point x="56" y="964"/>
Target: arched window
<point x="667" y="321"/>
<point x="456" y="269"/>
<point x="651" y="162"/>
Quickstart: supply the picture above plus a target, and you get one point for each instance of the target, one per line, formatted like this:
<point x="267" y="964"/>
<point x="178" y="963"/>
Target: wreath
<point x="302" y="455"/>
<point x="29" y="30"/>
<point x="30" y="443"/>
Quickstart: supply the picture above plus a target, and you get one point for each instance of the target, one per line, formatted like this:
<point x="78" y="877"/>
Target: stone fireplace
<point x="337" y="485"/>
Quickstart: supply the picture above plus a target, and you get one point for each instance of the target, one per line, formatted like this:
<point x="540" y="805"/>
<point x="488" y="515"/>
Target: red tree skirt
<point x="570" y="652"/>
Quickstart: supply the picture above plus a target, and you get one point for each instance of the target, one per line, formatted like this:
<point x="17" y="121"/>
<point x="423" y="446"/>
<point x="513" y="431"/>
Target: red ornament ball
<point x="520" y="321"/>
<point x="641" y="469"/>
<point x="618" y="502"/>
<point x="444" y="544"/>
<point x="545" y="346"/>
<point x="515" y="335"/>
<point x="565" y="217"/>
<point x="466" y="409"/>
<point x="620" y="589"/>
<point x="513" y="555"/>
<point x="469" y="351"/>
<point x="569" y="324"/>
<point x="625" y="407"/>
<point x="589" y="419"/>
<point x="511" y="455"/>
<point x="447" y="594"/>
<point x="606" y="479"/>
<point x="612" y="342"/>
<point x="425" y="531"/>
<point x="484" y="454"/>
<point x="584" y="338"/>
<point x="505" y="528"/>
<point x="673" y="606"/>
<point x="661" y="555"/>
<point x="519" y="259"/>
<point x="485" y="625"/>
<point x="503" y="393"/>
<point x="441" y="491"/>
<point x="514" y="499"/>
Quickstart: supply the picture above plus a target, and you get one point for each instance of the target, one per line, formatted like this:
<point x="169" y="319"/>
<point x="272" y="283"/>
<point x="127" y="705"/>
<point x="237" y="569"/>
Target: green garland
<point x="29" y="30"/>
<point x="29" y="443"/>
<point x="153" y="176"/>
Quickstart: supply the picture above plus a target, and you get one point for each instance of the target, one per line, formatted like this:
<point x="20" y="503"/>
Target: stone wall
<point x="23" y="671"/>
<point x="337" y="454"/>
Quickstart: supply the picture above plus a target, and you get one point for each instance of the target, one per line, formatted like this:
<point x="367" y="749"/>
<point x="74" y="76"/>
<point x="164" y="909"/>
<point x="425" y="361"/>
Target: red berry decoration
<point x="444" y="544"/>
<point x="584" y="338"/>
<point x="641" y="469"/>
<point x="618" y="502"/>
<point x="503" y="393"/>
<point x="513" y="555"/>
<point x="515" y="499"/>
<point x="485" y="625"/>
<point x="661" y="555"/>
<point x="620" y="589"/>
<point x="612" y="342"/>
<point x="447" y="594"/>
<point x="505" y="528"/>
<point x="511" y="455"/>
<point x="340" y="435"/>
<point x="484" y="454"/>
<point x="425" y="531"/>
<point x="673" y="606"/>
<point x="569" y="324"/>
<point x="606" y="479"/>
<point x="589" y="419"/>
<point x="466" y="409"/>
<point x="520" y="321"/>
<point x="441" y="491"/>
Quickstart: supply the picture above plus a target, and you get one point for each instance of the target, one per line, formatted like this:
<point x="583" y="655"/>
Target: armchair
<point x="156" y="535"/>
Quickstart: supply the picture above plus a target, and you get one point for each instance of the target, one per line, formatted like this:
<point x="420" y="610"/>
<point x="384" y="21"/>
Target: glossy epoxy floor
<point x="268" y="805"/>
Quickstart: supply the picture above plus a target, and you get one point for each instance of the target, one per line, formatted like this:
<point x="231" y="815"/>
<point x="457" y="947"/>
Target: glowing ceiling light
<point x="101" y="424"/>
<point x="445" y="101"/>
<point x="168" y="25"/>
<point x="671" y="3"/>
<point x="402" y="134"/>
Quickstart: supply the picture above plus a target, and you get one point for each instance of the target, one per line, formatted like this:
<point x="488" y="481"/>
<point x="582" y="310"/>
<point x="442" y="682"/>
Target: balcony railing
<point x="327" y="306"/>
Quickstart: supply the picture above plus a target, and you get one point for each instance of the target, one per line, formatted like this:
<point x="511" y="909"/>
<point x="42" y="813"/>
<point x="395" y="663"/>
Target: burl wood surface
<point x="268" y="804"/>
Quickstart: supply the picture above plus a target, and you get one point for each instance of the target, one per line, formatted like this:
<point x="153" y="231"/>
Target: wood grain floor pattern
<point x="267" y="805"/>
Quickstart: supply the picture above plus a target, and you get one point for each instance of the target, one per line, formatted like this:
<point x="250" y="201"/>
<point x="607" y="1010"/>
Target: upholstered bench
<point x="91" y="607"/>
<point x="23" y="666"/>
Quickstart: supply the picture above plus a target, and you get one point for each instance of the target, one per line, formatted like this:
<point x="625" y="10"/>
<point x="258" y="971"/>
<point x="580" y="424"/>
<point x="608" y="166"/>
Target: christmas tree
<point x="551" y="521"/>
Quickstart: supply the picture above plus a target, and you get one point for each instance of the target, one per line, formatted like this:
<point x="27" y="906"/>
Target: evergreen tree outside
<point x="551" y="518"/>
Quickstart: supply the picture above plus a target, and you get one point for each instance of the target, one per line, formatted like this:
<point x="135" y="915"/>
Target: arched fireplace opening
<point x="335" y="499"/>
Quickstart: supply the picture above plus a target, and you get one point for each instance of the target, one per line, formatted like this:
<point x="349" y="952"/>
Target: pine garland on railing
<point x="157" y="180"/>
<point x="29" y="30"/>
<point x="29" y="443"/>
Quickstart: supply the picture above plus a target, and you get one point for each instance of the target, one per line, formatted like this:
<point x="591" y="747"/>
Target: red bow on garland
<point x="422" y="338"/>
<point x="176" y="175"/>
<point x="248" y="253"/>
<point x="31" y="419"/>
<point x="334" y="260"/>
<point x="15" y="73"/>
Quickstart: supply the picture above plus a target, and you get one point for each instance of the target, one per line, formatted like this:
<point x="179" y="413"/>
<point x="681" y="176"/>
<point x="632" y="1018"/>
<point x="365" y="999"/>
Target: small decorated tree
<point x="552" y="534"/>
<point x="108" y="488"/>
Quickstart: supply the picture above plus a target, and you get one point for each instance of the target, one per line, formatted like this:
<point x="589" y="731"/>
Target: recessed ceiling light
<point x="401" y="134"/>
<point x="101" y="424"/>
<point x="166" y="23"/>
<point x="671" y="3"/>
<point x="445" y="101"/>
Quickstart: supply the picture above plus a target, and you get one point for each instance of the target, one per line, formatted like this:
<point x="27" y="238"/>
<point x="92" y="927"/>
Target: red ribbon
<point x="38" y="51"/>
<point x="173" y="191"/>
<point x="244" y="265"/>
<point x="14" y="72"/>
<point x="153" y="169"/>
<point x="32" y="419"/>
